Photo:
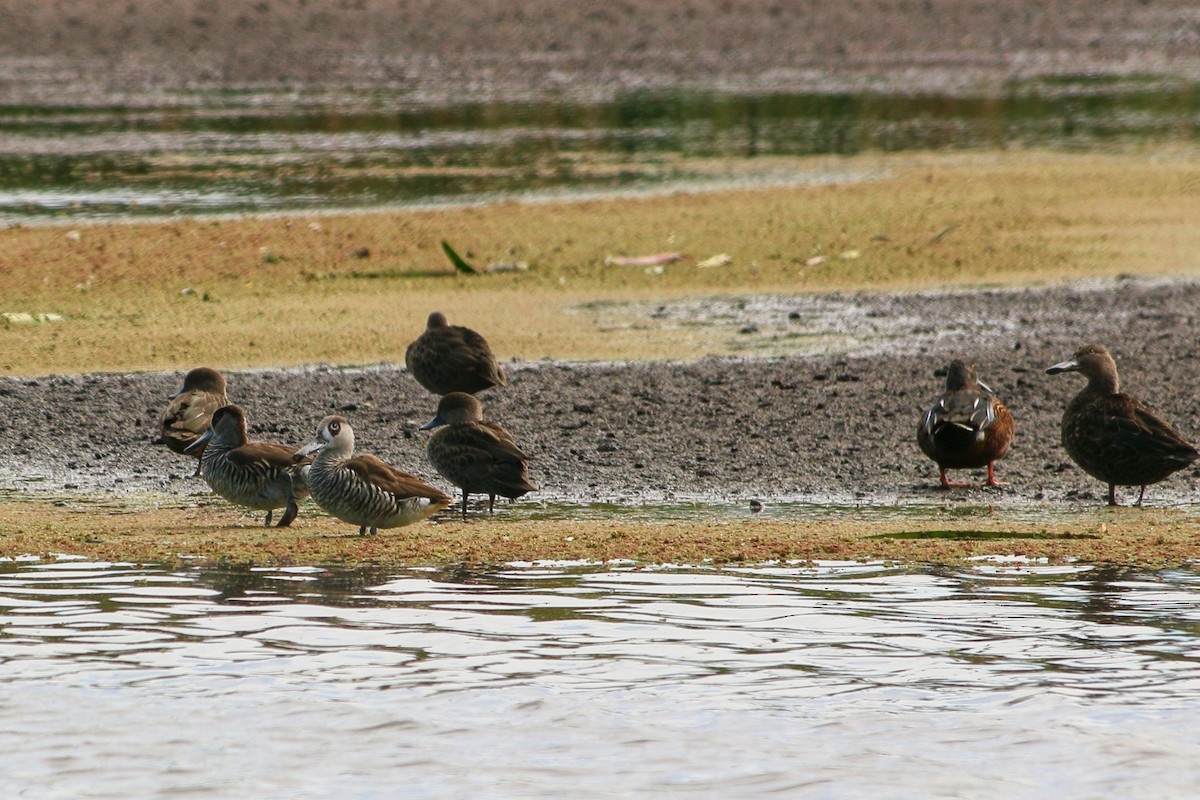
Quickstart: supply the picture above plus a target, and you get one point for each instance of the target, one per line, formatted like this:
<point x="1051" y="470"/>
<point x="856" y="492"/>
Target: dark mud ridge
<point x="827" y="428"/>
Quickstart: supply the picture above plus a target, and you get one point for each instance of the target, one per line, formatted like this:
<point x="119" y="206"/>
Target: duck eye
<point x="334" y="427"/>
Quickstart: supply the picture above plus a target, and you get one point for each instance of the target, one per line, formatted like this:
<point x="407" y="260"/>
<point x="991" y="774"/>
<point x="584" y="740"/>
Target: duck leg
<point x="289" y="513"/>
<point x="491" y="504"/>
<point x="362" y="530"/>
<point x="991" y="480"/>
<point x="1141" y="494"/>
<point x="1112" y="495"/>
<point x="465" y="496"/>
<point x="267" y="519"/>
<point x="949" y="484"/>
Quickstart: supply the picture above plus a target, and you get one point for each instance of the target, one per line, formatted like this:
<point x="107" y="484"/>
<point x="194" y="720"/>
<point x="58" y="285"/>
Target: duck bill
<point x="176" y="394"/>
<point x="308" y="450"/>
<point x="436" y="422"/>
<point x="1063" y="366"/>
<point x="204" y="437"/>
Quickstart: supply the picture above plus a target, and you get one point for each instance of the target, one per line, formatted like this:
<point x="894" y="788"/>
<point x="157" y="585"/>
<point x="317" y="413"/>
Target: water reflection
<point x="235" y="154"/>
<point x="548" y="680"/>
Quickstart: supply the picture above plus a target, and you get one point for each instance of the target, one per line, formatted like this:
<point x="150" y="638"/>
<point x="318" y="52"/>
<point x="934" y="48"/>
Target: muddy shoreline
<point x="833" y="427"/>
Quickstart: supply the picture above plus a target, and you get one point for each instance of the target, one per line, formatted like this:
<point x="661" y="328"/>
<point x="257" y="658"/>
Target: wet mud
<point x="135" y="52"/>
<point x="835" y="426"/>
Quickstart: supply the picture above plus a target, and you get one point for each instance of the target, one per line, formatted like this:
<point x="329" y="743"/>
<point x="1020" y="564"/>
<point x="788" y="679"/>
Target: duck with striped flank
<point x="477" y="456"/>
<point x="965" y="427"/>
<point x="263" y="476"/>
<point x="452" y="358"/>
<point x="187" y="416"/>
<point x="363" y="490"/>
<point x="1113" y="437"/>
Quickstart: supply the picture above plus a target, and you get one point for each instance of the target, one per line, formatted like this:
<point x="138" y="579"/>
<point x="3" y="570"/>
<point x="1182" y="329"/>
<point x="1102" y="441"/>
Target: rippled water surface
<point x="235" y="152"/>
<point x="556" y="680"/>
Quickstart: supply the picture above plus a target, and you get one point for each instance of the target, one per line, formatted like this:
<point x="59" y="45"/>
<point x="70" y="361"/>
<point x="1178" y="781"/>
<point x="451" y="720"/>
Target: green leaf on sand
<point x="459" y="263"/>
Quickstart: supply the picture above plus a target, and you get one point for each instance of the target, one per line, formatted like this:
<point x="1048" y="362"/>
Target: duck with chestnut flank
<point x="1113" y="437"/>
<point x="475" y="455"/>
<point x="363" y="490"/>
<point x="451" y="358"/>
<point x="966" y="427"/>
<point x="187" y="416"/>
<point x="260" y="475"/>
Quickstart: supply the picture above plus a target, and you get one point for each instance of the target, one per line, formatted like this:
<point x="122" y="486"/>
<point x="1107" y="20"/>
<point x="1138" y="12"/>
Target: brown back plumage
<point x="386" y="477"/>
<point x="452" y="358"/>
<point x="267" y="453"/>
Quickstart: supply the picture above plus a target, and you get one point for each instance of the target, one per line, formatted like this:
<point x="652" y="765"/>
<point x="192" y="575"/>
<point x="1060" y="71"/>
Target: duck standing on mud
<point x="451" y="358"/>
<point x="1113" y="437"/>
<point x="475" y="455"/>
<point x="187" y="416"/>
<point x="259" y="475"/>
<point x="363" y="490"/>
<point x="966" y="427"/>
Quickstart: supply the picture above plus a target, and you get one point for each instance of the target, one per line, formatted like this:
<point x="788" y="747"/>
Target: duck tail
<point x="433" y="505"/>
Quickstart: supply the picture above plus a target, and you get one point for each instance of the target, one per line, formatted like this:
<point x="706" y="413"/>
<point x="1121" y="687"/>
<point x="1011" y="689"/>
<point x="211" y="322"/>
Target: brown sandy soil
<point x="1128" y="536"/>
<point x="830" y="429"/>
<point x="154" y="51"/>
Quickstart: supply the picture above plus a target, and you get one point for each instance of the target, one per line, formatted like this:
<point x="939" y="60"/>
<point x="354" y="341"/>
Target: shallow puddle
<point x="549" y="680"/>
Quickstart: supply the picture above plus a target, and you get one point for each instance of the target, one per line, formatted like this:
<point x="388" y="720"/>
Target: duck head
<point x="1096" y="364"/>
<point x="202" y="379"/>
<point x="334" y="436"/>
<point x="455" y="408"/>
<point x="960" y="375"/>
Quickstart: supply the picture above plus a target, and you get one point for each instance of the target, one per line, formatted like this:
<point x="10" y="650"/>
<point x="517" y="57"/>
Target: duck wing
<point x="485" y="442"/>
<point x="453" y="359"/>
<point x="401" y="484"/>
<point x="1137" y="432"/>
<point x="481" y="454"/>
<point x="187" y="417"/>
<point x="267" y="454"/>
<point x="974" y="410"/>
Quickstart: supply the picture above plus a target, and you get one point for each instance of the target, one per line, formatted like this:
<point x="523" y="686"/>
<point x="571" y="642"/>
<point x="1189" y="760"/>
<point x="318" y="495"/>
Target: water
<point x="1008" y="680"/>
<point x="236" y="153"/>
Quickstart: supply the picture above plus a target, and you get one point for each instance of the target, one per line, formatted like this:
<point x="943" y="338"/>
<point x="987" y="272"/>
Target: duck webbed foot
<point x="949" y="484"/>
<point x="991" y="478"/>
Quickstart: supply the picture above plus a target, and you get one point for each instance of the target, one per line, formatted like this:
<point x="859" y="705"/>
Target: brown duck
<point x="363" y="490"/>
<point x="260" y="475"/>
<point x="1113" y="437"/>
<point x="188" y="414"/>
<point x="450" y="358"/>
<point x="966" y="427"/>
<point x="477" y="456"/>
